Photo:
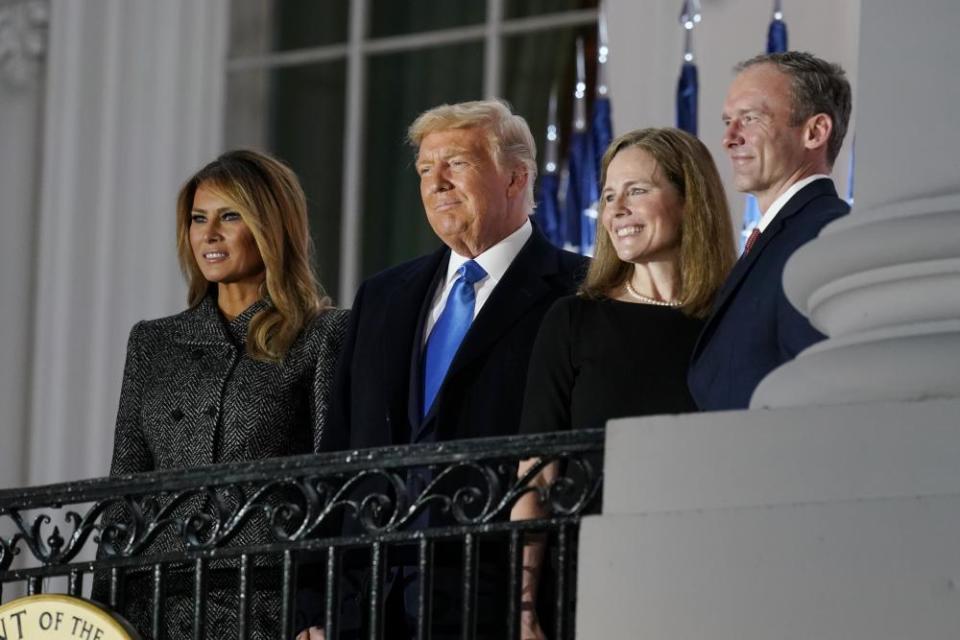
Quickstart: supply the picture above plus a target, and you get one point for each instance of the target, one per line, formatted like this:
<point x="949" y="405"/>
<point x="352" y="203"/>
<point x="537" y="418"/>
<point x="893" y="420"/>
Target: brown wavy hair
<point x="706" y="234"/>
<point x="271" y="202"/>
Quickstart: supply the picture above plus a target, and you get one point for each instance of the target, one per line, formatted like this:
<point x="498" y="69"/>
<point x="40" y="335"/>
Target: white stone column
<point x="23" y="26"/>
<point x="133" y="107"/>
<point x="884" y="283"/>
<point x="832" y="523"/>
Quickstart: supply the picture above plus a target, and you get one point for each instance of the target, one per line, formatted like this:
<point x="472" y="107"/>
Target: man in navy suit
<point x="437" y="348"/>
<point x="785" y="116"/>
<point x="477" y="166"/>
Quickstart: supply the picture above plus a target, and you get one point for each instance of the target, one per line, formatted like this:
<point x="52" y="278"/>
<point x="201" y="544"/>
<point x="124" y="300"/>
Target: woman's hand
<point x="528" y="507"/>
<point x="313" y="633"/>
<point x="530" y="625"/>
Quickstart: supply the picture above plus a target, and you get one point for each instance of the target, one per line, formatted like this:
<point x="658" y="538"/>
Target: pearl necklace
<point x="643" y="298"/>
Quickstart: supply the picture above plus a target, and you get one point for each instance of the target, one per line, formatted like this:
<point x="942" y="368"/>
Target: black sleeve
<point x="131" y="453"/>
<point x="552" y="372"/>
<point x="794" y="330"/>
<point x="337" y="432"/>
<point x="333" y="324"/>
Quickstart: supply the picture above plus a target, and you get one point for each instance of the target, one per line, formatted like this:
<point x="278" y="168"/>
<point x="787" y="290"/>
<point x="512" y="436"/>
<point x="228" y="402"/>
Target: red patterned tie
<point x="752" y="239"/>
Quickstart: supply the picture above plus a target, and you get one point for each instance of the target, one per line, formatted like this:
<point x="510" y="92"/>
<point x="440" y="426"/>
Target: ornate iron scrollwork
<point x="294" y="504"/>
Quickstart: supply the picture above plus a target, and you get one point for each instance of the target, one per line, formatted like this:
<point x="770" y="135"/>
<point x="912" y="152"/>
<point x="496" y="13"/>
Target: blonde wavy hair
<point x="707" y="250"/>
<point x="271" y="202"/>
<point x="508" y="135"/>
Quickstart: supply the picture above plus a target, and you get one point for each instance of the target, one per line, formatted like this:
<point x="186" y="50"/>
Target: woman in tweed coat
<point x="243" y="374"/>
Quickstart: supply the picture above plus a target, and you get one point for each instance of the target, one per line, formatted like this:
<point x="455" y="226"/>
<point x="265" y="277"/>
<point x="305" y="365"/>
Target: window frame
<point x="355" y="52"/>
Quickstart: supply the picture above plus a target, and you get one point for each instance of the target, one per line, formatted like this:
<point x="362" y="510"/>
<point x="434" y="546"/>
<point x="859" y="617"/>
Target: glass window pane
<point x="399" y="88"/>
<point x="395" y="17"/>
<point x="532" y="63"/>
<point x="297" y="113"/>
<point x="247" y="109"/>
<point x="262" y="26"/>
<point x="527" y="8"/>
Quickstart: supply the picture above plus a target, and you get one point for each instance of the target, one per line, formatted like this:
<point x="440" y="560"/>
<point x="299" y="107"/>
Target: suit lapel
<point x="523" y="285"/>
<point x="203" y="324"/>
<point x="399" y="334"/>
<point x="743" y="266"/>
<point x="419" y="298"/>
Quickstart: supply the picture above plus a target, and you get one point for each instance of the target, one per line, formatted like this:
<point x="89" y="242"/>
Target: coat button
<point x="211" y="411"/>
<point x="176" y="414"/>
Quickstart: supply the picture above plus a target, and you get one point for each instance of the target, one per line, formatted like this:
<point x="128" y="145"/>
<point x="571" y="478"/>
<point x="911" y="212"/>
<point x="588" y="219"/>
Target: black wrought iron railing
<point x="262" y="549"/>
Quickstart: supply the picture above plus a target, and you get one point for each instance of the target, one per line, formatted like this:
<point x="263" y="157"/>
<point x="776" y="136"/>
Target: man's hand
<point x="313" y="633"/>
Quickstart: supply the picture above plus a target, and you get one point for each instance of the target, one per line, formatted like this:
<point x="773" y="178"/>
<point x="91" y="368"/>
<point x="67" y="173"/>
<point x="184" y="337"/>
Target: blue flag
<point x="777" y="36"/>
<point x="776" y="43"/>
<point x="582" y="194"/>
<point x="687" y="89"/>
<point x="688" y="85"/>
<point x="548" y="211"/>
<point x="601" y="134"/>
<point x="602" y="127"/>
<point x="853" y="157"/>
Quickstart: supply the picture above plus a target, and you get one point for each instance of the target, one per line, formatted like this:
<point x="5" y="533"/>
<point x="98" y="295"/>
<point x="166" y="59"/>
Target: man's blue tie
<point x="449" y="330"/>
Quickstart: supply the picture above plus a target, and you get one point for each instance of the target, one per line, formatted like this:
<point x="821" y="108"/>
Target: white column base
<point x="829" y="522"/>
<point x="885" y="286"/>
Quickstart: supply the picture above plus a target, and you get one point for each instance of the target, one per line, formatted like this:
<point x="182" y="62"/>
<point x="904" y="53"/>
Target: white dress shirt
<point x="494" y="261"/>
<point x="784" y="197"/>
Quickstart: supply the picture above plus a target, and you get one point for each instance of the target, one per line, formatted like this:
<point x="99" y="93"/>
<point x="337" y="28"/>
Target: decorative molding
<point x="23" y="39"/>
<point x="882" y="283"/>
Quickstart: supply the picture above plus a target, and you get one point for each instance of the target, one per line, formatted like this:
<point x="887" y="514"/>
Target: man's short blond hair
<point x="508" y="134"/>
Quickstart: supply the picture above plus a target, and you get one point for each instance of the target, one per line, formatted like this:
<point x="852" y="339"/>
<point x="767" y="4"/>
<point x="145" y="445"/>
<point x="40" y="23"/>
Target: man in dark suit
<point x="437" y="348"/>
<point x="785" y="115"/>
<point x="477" y="165"/>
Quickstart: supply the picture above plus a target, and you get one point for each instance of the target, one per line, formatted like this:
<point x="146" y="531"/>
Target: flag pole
<point x="582" y="191"/>
<point x="580" y="91"/>
<point x="688" y="84"/>
<point x="603" y="50"/>
<point x="547" y="212"/>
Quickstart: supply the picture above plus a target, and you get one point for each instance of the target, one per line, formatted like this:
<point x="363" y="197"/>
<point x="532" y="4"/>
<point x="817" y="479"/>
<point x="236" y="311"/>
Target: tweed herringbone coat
<point x="192" y="396"/>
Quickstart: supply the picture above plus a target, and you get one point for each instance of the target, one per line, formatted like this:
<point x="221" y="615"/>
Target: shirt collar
<point x="495" y="260"/>
<point x="784" y="197"/>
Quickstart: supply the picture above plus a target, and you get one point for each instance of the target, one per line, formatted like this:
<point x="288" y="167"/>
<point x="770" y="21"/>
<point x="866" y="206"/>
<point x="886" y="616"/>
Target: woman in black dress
<point x="243" y="374"/>
<point x="620" y="347"/>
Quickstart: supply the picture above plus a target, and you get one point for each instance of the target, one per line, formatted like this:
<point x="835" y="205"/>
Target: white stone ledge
<point x="867" y="570"/>
<point x="783" y="456"/>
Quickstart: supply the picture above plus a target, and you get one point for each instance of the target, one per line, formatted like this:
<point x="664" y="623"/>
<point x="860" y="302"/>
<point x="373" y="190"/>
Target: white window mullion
<point x="492" y="48"/>
<point x="356" y="51"/>
<point x="297" y="57"/>
<point x="350" y="219"/>
<point x="492" y="30"/>
<point x="532" y="24"/>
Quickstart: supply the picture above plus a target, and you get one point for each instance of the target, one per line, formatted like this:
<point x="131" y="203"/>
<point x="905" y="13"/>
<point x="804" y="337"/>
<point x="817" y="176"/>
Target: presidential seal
<point x="60" y="617"/>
